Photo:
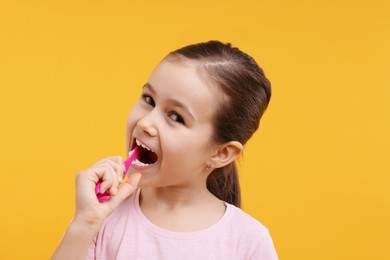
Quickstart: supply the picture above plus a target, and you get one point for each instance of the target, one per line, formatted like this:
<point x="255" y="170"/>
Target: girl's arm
<point x="76" y="241"/>
<point x="90" y="214"/>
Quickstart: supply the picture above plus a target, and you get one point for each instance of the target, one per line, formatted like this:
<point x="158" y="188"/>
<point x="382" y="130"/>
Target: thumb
<point x="130" y="185"/>
<point x="124" y="191"/>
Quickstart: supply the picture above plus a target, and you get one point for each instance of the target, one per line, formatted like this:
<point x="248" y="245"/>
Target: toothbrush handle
<point x="101" y="196"/>
<point x="106" y="195"/>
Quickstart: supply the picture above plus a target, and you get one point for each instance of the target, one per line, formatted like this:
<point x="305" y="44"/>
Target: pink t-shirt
<point x="128" y="234"/>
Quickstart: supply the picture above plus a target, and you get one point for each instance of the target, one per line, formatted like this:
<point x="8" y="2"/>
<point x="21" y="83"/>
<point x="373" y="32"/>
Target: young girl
<point x="181" y="201"/>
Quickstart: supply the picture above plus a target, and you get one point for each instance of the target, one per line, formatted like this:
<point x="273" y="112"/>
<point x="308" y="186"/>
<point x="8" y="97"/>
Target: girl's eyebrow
<point x="148" y="86"/>
<point x="174" y="102"/>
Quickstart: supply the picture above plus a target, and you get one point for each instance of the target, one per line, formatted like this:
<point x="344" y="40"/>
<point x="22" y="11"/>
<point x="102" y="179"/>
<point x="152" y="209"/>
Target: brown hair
<point x="248" y="93"/>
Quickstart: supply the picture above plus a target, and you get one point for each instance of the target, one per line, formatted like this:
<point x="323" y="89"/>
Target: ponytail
<point x="224" y="184"/>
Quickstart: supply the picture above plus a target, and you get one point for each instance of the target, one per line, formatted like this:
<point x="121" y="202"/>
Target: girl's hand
<point x="89" y="211"/>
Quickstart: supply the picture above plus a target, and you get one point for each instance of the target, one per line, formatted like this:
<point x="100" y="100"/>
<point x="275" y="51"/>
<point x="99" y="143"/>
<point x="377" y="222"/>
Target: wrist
<point x="86" y="224"/>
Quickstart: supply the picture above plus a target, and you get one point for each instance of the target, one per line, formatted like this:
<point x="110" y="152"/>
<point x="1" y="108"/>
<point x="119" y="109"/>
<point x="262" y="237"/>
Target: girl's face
<point x="173" y="123"/>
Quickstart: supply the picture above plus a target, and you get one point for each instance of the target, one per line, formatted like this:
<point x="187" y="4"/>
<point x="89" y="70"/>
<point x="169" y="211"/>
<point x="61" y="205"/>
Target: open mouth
<point x="145" y="155"/>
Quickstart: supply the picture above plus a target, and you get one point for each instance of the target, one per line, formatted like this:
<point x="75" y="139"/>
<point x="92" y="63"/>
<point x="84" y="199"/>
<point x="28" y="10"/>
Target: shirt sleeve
<point x="265" y="250"/>
<point x="91" y="251"/>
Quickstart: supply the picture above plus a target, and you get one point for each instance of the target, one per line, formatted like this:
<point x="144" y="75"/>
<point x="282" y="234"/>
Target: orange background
<point x="317" y="172"/>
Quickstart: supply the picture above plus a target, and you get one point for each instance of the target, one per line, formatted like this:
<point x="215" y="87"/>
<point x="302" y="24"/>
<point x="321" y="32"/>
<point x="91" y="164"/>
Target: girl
<point x="200" y="106"/>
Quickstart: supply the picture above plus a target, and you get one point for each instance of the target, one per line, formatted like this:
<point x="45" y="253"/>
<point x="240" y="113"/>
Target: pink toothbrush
<point x="106" y="195"/>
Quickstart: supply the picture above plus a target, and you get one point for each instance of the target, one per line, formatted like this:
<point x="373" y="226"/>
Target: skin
<point x="174" y="118"/>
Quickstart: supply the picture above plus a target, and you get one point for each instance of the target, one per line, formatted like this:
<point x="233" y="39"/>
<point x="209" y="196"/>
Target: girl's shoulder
<point x="242" y="228"/>
<point x="245" y="223"/>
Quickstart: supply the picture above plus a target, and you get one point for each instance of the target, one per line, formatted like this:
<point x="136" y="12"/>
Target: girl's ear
<point x="226" y="153"/>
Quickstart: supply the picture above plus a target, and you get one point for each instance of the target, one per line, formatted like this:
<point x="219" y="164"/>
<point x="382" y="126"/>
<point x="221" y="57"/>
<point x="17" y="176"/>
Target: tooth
<point x="136" y="162"/>
<point x="144" y="146"/>
<point x="141" y="144"/>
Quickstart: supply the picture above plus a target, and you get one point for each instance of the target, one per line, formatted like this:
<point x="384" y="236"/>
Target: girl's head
<point x="235" y="96"/>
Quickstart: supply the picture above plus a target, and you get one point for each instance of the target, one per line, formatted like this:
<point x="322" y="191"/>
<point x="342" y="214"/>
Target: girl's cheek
<point x="130" y="124"/>
<point x="133" y="116"/>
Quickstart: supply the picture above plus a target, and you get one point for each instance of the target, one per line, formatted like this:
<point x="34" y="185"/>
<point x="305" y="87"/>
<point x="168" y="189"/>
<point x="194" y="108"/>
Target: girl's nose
<point x="146" y="125"/>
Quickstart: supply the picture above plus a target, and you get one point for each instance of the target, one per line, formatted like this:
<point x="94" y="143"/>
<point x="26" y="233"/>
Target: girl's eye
<point x="176" y="117"/>
<point x="149" y="100"/>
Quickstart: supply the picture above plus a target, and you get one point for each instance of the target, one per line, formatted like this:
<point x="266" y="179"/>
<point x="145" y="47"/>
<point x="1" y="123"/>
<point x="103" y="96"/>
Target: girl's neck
<point x="175" y="209"/>
<point x="175" y="198"/>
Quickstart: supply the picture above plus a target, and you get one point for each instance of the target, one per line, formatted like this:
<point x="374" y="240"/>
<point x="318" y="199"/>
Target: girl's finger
<point x="119" y="160"/>
<point x="109" y="178"/>
<point x="119" y="168"/>
<point x="115" y="182"/>
<point x="124" y="191"/>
